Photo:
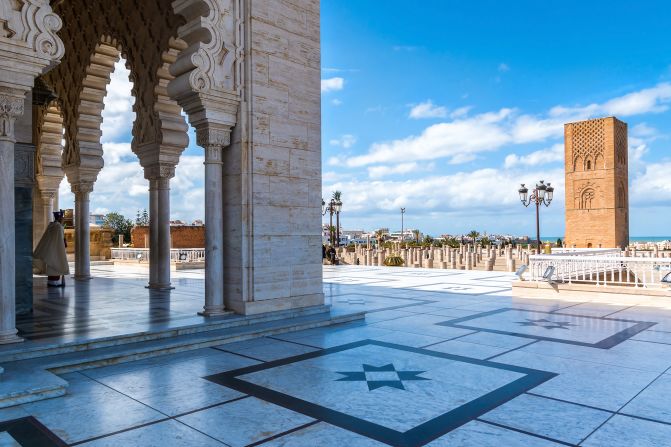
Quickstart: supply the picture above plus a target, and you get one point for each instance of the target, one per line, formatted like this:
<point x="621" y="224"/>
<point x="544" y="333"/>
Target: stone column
<point x="81" y="191"/>
<point x="47" y="208"/>
<point x="214" y="228"/>
<point x="159" y="230"/>
<point x="11" y="107"/>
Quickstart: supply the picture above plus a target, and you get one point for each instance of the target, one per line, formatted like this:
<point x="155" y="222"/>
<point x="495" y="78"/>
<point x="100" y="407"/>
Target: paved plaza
<point x="442" y="358"/>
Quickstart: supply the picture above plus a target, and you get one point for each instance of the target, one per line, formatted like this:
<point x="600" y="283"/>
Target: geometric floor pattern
<point x="443" y="358"/>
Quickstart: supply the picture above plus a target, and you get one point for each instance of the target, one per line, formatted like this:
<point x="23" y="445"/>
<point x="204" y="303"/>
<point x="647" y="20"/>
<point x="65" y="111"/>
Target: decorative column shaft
<point x="81" y="191"/>
<point x="159" y="227"/>
<point x="47" y="208"/>
<point x="11" y="107"/>
<point x="213" y="142"/>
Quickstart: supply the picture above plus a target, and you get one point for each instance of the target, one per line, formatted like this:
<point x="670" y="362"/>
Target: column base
<point x="6" y="339"/>
<point x="82" y="277"/>
<point x="159" y="286"/>
<point x="217" y="312"/>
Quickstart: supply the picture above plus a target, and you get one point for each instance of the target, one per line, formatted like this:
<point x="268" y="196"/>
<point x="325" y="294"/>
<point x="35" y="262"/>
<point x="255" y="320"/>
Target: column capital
<point x="159" y="172"/>
<point x="213" y="136"/>
<point x="82" y="187"/>
<point x="11" y="107"/>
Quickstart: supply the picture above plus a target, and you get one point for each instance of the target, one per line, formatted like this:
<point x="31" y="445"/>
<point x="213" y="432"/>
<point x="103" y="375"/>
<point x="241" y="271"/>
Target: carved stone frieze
<point x="11" y="107"/>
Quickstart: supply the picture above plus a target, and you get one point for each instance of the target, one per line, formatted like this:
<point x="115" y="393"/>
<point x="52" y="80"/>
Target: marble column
<point x="47" y="208"/>
<point x="11" y="107"/>
<point x="214" y="230"/>
<point x="81" y="191"/>
<point x="159" y="233"/>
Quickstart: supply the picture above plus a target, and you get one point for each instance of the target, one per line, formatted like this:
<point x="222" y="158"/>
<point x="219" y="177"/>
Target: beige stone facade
<point x="597" y="199"/>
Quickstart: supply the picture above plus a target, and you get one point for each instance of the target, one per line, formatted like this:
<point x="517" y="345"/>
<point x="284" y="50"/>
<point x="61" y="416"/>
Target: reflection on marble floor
<point x="442" y="358"/>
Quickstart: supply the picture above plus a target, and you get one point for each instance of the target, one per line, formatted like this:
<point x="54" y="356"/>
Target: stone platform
<point x="443" y="358"/>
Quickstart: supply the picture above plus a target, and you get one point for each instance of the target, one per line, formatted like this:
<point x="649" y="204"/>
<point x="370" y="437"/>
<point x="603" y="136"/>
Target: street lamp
<point x="334" y="206"/>
<point x="542" y="194"/>
<point x="402" y="233"/>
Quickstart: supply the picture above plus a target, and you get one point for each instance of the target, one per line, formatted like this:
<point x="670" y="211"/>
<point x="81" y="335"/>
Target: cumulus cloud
<point x="428" y="109"/>
<point x="544" y="156"/>
<point x="482" y="189"/>
<point x="484" y="132"/>
<point x="336" y="102"/>
<point x="332" y="84"/>
<point x="118" y="115"/>
<point x="345" y="141"/>
<point x="651" y="186"/>
<point x="463" y="137"/>
<point x="399" y="169"/>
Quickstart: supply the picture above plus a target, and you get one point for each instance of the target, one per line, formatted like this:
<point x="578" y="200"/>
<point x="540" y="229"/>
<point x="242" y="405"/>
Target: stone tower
<point x="597" y="199"/>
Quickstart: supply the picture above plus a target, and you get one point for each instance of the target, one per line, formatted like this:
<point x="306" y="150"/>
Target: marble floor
<point x="442" y="358"/>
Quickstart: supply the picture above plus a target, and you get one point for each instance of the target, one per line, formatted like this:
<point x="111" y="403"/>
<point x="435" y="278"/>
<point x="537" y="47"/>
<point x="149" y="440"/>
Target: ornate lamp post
<point x="338" y="208"/>
<point x="402" y="234"/>
<point x="542" y="194"/>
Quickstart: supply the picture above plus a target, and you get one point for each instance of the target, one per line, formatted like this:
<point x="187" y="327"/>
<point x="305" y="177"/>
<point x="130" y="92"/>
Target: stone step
<point x="33" y="349"/>
<point x="35" y="378"/>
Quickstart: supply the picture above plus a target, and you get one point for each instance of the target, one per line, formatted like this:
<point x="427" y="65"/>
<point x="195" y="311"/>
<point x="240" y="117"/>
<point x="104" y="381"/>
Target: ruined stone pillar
<point x="82" y="191"/>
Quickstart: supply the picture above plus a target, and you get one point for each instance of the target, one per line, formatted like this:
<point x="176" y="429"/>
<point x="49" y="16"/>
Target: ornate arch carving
<point x="49" y="142"/>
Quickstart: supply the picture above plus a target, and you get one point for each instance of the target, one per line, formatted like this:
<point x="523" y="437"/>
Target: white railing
<point x="176" y="254"/>
<point x="600" y="270"/>
<point x="586" y="252"/>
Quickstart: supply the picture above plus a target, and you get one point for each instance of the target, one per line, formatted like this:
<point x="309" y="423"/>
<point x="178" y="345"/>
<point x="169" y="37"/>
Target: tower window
<point x="589" y="165"/>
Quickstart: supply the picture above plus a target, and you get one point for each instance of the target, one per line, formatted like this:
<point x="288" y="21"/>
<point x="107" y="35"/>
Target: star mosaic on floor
<point x="579" y="330"/>
<point x="380" y="376"/>
<point x="420" y="396"/>
<point x="547" y="324"/>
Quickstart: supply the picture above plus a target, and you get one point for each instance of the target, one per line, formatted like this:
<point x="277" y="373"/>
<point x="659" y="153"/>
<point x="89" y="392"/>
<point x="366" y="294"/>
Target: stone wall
<point x="181" y="236"/>
<point x="272" y="170"/>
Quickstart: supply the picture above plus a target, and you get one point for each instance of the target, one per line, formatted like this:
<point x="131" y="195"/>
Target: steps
<point x="31" y="376"/>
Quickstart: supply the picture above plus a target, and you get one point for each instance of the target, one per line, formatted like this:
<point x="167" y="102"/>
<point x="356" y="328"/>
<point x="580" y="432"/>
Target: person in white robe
<point x="49" y="257"/>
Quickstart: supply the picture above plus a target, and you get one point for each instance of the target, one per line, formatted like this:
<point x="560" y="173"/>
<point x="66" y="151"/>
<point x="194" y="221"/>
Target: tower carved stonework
<point x="597" y="198"/>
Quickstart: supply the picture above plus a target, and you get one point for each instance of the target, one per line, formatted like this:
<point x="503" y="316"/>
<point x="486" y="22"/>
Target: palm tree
<point x="416" y="233"/>
<point x="473" y="235"/>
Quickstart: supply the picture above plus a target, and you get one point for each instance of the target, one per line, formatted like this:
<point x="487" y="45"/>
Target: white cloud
<point x="428" y="109"/>
<point x="483" y="189"/>
<point x="544" y="156"/>
<point x="462" y="138"/>
<point x="336" y="102"/>
<point x="399" y="169"/>
<point x="484" y="132"/>
<point x="503" y="67"/>
<point x="460" y="112"/>
<point x="332" y="84"/>
<point x="345" y="141"/>
<point x="118" y="115"/>
<point x="652" y="186"/>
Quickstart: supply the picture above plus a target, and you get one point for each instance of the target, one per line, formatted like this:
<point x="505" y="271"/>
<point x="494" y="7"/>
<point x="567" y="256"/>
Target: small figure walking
<point x="49" y="257"/>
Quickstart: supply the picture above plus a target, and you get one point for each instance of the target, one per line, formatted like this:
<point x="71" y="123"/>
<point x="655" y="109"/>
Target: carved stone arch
<point x="49" y="147"/>
<point x="578" y="164"/>
<point x="85" y="148"/>
<point x="599" y="162"/>
<point x="587" y="198"/>
<point x="589" y="163"/>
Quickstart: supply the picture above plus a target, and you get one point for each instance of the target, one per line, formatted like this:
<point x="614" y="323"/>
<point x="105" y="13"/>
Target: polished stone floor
<point x="442" y="358"/>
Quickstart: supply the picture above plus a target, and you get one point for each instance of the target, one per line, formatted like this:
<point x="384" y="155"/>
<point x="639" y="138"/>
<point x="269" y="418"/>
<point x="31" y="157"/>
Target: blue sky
<point x="445" y="107"/>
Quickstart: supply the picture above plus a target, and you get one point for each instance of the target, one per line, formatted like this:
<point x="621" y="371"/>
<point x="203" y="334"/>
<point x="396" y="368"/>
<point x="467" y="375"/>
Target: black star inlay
<point x="547" y="324"/>
<point x="373" y="384"/>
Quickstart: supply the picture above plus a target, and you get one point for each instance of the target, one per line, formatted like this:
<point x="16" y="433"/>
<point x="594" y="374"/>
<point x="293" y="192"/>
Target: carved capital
<point x="82" y="187"/>
<point x="209" y="136"/>
<point x="47" y="196"/>
<point x="159" y="172"/>
<point x="11" y="107"/>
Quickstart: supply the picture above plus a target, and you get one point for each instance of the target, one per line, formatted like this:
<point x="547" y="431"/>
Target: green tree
<point x="428" y="240"/>
<point x="416" y="234"/>
<point x="473" y="235"/>
<point x="119" y="224"/>
<point x="142" y="218"/>
<point x="559" y="242"/>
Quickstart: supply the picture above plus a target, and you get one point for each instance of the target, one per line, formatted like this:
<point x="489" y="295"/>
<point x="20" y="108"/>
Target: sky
<point x="446" y="107"/>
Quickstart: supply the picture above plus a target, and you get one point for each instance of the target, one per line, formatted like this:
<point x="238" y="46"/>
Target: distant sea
<point x="631" y="238"/>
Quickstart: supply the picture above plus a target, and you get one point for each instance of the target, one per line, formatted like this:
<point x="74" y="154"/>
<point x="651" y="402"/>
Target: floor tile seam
<point x="158" y="421"/>
<point x="294" y="342"/>
<point x="650" y="341"/>
<point x="592" y="362"/>
<point x="591" y="407"/>
<point x="622" y="407"/>
<point x="525" y="432"/>
<point x="202" y="433"/>
<point x="287" y="432"/>
<point x="617" y="311"/>
<point x="237" y="353"/>
<point x="510" y="350"/>
<point x="446" y="340"/>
